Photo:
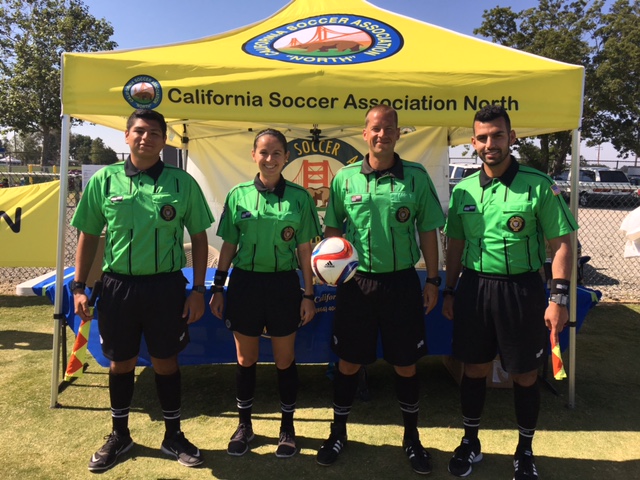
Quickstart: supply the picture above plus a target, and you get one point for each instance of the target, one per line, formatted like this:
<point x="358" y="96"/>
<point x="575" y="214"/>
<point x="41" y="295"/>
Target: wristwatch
<point x="73" y="286"/>
<point x="199" y="288"/>
<point x="435" y="281"/>
<point x="559" y="298"/>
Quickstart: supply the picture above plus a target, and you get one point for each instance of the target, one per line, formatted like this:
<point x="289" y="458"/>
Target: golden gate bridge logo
<point x="329" y="40"/>
<point x="312" y="159"/>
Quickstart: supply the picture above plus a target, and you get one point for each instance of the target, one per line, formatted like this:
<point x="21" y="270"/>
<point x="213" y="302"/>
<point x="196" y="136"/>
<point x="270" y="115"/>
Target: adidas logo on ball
<point x="334" y="261"/>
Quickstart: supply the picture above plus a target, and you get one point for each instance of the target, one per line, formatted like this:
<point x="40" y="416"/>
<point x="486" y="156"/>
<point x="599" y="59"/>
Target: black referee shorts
<point x="385" y="304"/>
<point x="258" y="302"/>
<point x="500" y="314"/>
<point x="149" y="305"/>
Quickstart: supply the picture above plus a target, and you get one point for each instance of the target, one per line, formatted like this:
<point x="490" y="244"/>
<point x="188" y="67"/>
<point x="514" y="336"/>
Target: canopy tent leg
<point x="573" y="308"/>
<point x="58" y="315"/>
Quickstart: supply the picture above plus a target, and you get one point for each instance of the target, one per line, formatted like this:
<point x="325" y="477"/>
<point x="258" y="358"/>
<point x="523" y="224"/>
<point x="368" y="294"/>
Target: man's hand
<point x="81" y="306"/>
<point x="430" y="297"/>
<point x="193" y="307"/>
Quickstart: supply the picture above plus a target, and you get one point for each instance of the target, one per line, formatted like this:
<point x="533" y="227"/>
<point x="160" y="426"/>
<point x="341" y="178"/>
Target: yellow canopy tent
<point x="315" y="65"/>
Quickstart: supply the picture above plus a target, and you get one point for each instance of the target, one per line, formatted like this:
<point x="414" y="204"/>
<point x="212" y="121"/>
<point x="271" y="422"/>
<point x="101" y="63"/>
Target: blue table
<point x="212" y="343"/>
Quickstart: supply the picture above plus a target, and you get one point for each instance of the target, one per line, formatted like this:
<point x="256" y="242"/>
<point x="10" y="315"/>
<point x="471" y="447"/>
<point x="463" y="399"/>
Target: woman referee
<point x="266" y="227"/>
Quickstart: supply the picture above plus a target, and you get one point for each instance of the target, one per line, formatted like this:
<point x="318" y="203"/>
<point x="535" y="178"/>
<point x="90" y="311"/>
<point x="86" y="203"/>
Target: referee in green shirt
<point x="384" y="203"/>
<point x="267" y="227"/>
<point x="499" y="219"/>
<point x="145" y="206"/>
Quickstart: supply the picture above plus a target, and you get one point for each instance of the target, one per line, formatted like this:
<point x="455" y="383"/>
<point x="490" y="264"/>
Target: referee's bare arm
<point x="455" y="247"/>
<point x="556" y="316"/>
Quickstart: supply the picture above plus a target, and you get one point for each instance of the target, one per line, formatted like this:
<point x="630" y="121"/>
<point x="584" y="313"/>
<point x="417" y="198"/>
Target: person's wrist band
<point x="559" y="298"/>
<point x="448" y="291"/>
<point x="309" y="297"/>
<point x="217" y="289"/>
<point x="559" y="285"/>
<point x="220" y="277"/>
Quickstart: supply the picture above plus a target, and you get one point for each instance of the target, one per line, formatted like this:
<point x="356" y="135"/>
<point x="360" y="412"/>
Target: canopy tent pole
<point x="58" y="315"/>
<point x="185" y="146"/>
<point x="573" y="295"/>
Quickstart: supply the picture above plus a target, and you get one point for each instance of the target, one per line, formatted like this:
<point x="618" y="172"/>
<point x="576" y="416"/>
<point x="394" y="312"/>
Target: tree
<point x="33" y="35"/>
<point x="556" y="29"/>
<point x="101" y="154"/>
<point x="80" y="148"/>
<point x="615" y="99"/>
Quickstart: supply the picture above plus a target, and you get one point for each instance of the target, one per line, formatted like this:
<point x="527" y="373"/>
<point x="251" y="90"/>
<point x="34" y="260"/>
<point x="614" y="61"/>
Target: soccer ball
<point x="334" y="261"/>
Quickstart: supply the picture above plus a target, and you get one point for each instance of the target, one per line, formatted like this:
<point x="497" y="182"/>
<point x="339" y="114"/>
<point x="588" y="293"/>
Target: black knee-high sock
<point x="473" y="392"/>
<point x="527" y="406"/>
<point x="344" y="392"/>
<point x="169" y="388"/>
<point x="245" y="388"/>
<point x="408" y="393"/>
<point x="288" y="388"/>
<point x="121" y="393"/>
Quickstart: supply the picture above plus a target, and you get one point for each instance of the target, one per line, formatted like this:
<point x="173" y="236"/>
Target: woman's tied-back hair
<point x="274" y="133"/>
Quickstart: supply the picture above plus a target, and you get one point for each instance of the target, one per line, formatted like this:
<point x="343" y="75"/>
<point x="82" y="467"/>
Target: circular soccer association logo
<point x="515" y="223"/>
<point x="143" y="92"/>
<point x="332" y="39"/>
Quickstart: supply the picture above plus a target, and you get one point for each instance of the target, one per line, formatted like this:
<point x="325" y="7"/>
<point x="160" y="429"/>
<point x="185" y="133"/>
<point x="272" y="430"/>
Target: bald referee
<point x="145" y="206"/>
<point x="385" y="204"/>
<point x="497" y="224"/>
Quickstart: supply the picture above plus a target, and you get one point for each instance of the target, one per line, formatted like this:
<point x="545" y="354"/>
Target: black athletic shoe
<point x="287" y="444"/>
<point x="468" y="453"/>
<point x="185" y="452"/>
<point x="107" y="456"/>
<point x="418" y="456"/>
<point x="524" y="466"/>
<point x="239" y="443"/>
<point x="332" y="446"/>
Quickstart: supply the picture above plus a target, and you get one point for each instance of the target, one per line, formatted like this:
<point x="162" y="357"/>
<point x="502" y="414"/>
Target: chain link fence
<point x="601" y="242"/>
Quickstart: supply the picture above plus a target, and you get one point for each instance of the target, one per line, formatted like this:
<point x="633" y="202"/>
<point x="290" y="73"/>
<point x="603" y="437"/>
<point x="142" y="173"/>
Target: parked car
<point x="458" y="171"/>
<point x="600" y="187"/>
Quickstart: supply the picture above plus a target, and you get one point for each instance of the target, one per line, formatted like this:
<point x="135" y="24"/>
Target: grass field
<point x="598" y="439"/>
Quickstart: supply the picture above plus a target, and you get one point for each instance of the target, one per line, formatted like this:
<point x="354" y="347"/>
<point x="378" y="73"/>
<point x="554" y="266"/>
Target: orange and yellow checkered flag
<point x="556" y="359"/>
<point x="75" y="368"/>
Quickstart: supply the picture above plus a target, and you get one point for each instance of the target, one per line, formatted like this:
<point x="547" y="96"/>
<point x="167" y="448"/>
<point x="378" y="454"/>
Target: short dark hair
<point x="382" y="108"/>
<point x="147" y="115"/>
<point x="489" y="113"/>
<point x="274" y="133"/>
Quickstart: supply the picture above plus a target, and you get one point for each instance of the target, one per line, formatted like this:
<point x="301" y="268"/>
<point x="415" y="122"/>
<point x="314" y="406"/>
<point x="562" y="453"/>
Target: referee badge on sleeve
<point x="515" y="223"/>
<point x="168" y="212"/>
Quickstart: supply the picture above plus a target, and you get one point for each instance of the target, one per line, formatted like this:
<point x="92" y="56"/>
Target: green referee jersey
<point x="383" y="211"/>
<point x="267" y="226"/>
<point x="145" y="214"/>
<point x="504" y="221"/>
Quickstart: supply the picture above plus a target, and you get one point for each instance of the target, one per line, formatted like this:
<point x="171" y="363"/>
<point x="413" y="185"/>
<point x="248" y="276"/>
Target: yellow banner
<point x="29" y="225"/>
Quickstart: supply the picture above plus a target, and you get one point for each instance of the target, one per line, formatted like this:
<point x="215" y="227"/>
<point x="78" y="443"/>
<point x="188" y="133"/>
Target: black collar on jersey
<point x="278" y="190"/>
<point x="506" y="178"/>
<point x="154" y="172"/>
<point x="396" y="169"/>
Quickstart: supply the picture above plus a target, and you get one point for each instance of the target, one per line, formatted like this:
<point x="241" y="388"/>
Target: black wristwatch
<point x="199" y="288"/>
<point x="437" y="281"/>
<point x="73" y="286"/>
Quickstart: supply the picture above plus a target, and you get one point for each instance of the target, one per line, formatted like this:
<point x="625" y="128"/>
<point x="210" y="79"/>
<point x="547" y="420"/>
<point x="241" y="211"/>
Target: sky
<point x="163" y="22"/>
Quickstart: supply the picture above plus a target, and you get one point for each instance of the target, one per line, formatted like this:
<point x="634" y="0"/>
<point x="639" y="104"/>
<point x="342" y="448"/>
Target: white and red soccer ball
<point x="334" y="261"/>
